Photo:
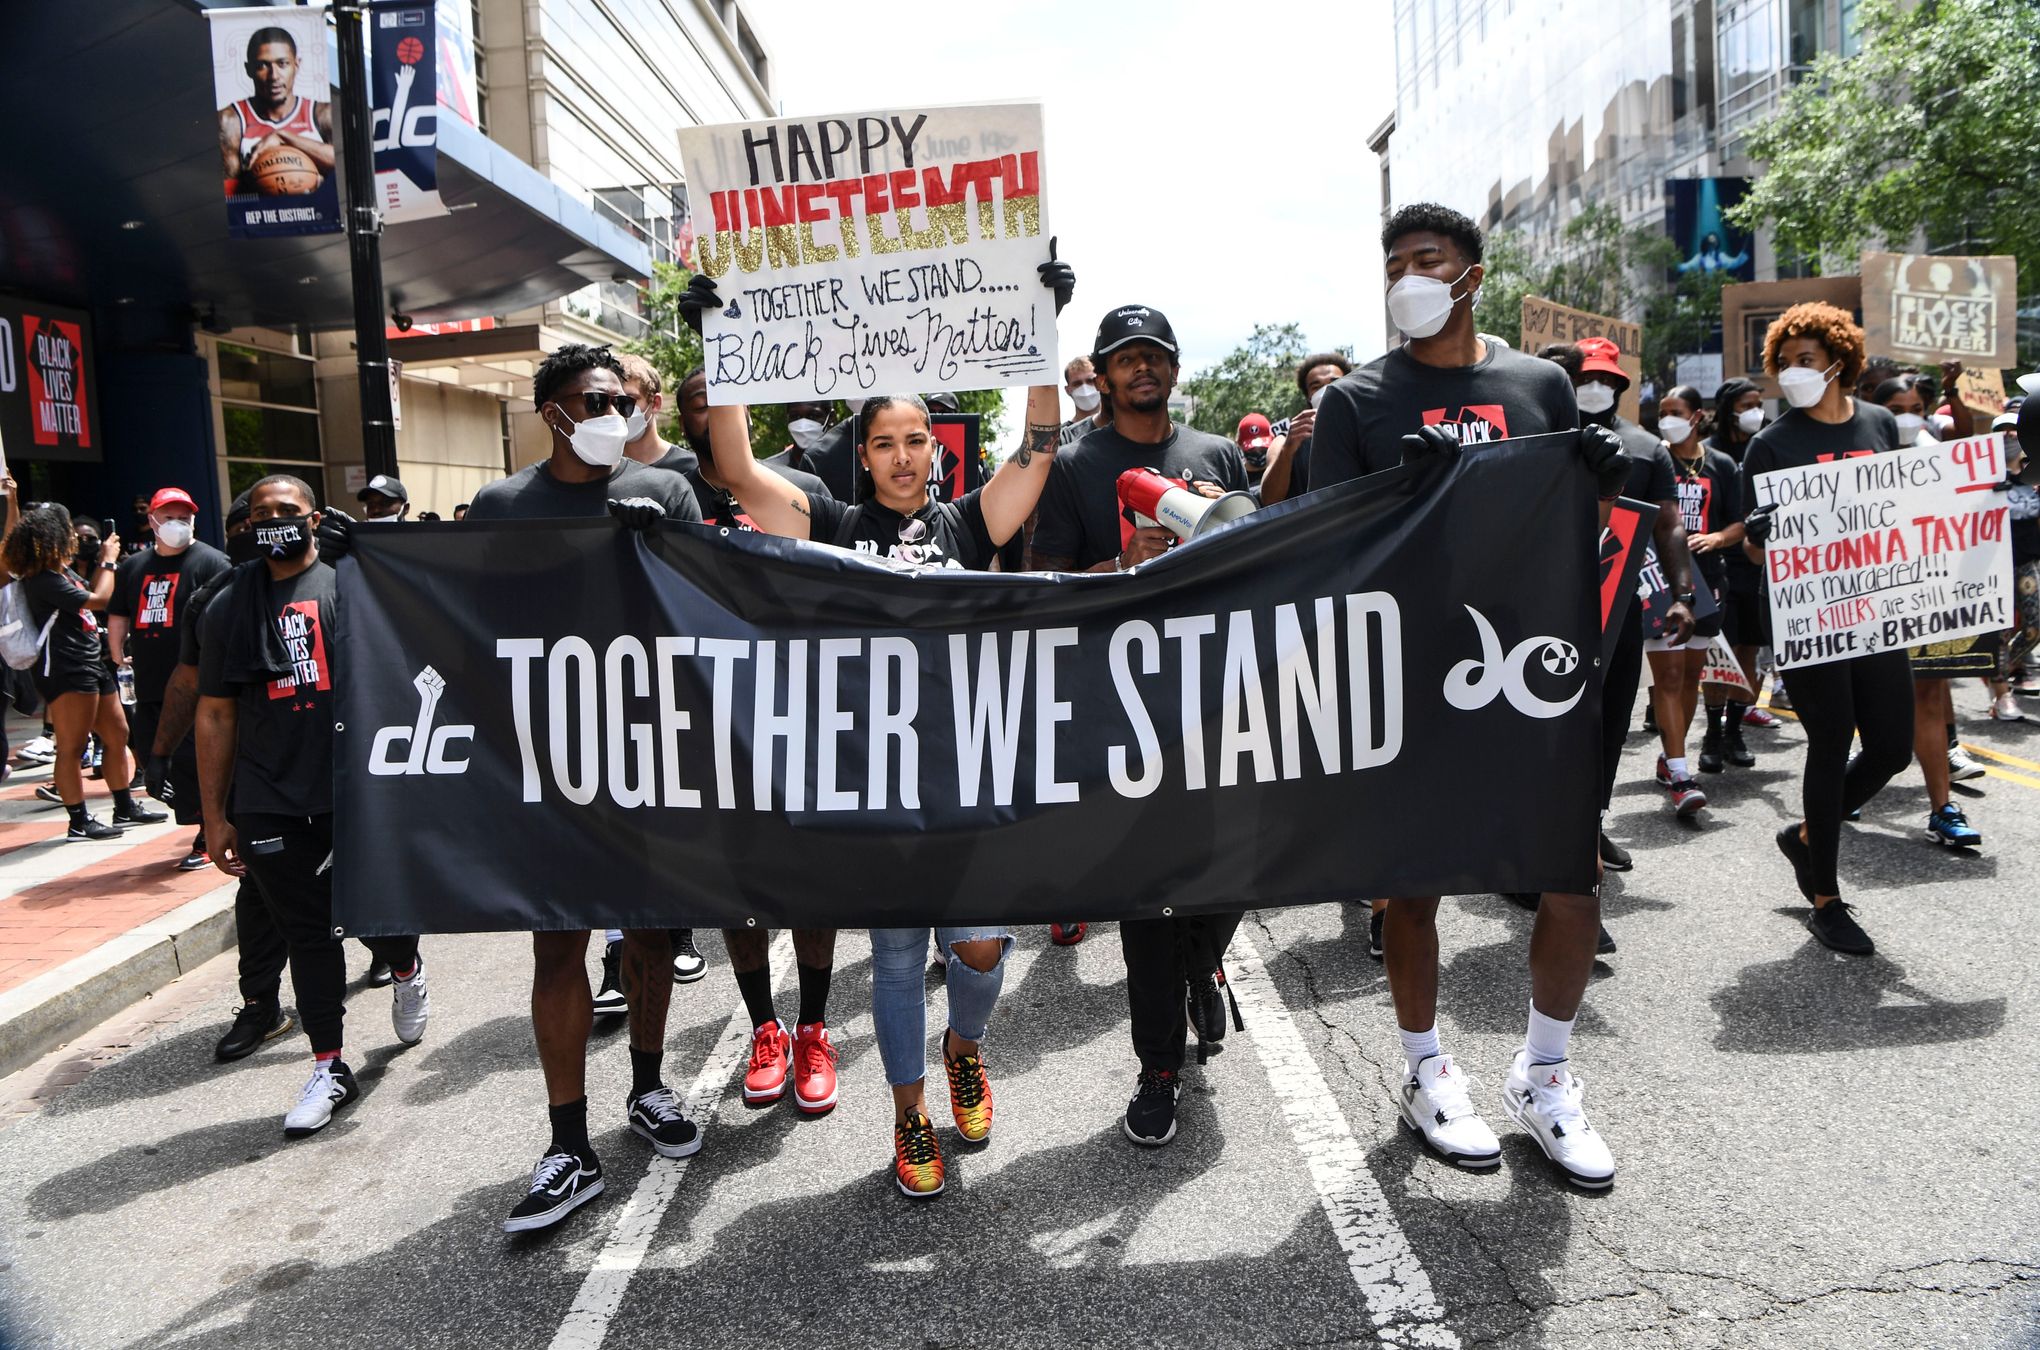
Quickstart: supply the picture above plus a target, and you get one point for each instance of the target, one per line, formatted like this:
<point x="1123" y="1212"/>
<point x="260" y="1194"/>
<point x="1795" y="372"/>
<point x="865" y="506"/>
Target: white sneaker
<point x="1961" y="768"/>
<point x="1546" y="1101"/>
<point x="2005" y="708"/>
<point x="41" y="750"/>
<point x="1434" y="1103"/>
<point x="331" y="1087"/>
<point x="410" y="1005"/>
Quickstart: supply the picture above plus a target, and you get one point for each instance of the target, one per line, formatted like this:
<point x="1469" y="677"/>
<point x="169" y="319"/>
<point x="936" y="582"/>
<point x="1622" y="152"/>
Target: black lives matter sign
<point x="47" y="404"/>
<point x="1936" y="307"/>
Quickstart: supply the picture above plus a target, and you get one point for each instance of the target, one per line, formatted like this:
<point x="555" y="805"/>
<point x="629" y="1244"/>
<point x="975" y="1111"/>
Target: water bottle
<point x="124" y="678"/>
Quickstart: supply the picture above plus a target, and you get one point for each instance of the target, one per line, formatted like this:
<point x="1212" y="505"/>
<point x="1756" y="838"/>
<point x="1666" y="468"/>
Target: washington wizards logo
<point x="1559" y="657"/>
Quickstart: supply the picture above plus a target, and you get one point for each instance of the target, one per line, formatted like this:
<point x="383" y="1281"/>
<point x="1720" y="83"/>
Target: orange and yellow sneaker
<point x="917" y="1158"/>
<point x="970" y="1096"/>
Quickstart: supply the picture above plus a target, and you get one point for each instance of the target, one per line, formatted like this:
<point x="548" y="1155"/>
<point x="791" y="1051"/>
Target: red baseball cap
<point x="1255" y="433"/>
<point x="1597" y="357"/>
<point x="172" y="496"/>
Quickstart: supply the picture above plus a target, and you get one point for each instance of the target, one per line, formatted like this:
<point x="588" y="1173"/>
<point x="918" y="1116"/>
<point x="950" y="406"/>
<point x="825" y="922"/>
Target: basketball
<point x="284" y="171"/>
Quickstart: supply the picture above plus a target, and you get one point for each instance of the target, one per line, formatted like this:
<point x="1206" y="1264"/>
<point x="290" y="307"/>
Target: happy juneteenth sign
<point x="869" y="253"/>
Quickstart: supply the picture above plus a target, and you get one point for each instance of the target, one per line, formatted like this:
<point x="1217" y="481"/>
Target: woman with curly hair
<point x="72" y="672"/>
<point x="1815" y="352"/>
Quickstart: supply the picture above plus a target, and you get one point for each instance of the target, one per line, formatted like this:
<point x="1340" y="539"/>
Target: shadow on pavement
<point x="1817" y="1002"/>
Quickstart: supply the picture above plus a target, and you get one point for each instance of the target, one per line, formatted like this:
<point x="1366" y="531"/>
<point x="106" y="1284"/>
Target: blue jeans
<point x="899" y="963"/>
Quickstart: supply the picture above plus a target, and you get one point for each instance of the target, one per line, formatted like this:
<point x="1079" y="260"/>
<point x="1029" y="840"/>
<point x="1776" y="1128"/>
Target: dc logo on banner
<point x="427" y="752"/>
<point x="1472" y="685"/>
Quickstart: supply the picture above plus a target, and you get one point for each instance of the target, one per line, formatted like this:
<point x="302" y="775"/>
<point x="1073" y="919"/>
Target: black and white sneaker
<point x="688" y="964"/>
<point x="560" y="1184"/>
<point x="609" y="999"/>
<point x="1614" y="857"/>
<point x="1374" y="947"/>
<point x="330" y="1087"/>
<point x="138" y="814"/>
<point x="93" y="829"/>
<point x="656" y="1115"/>
<point x="1151" y="1115"/>
<point x="48" y="793"/>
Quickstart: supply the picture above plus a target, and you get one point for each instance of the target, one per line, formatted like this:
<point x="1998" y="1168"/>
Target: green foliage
<point x="1258" y="377"/>
<point x="1930" y="127"/>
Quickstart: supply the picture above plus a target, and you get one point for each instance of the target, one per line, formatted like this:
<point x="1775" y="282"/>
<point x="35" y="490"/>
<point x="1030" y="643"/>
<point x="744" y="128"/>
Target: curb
<point x="39" y="1016"/>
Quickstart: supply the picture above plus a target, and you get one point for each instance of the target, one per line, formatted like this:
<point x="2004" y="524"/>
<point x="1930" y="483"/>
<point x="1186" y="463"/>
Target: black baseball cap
<point x="1134" y="323"/>
<point x="384" y="486"/>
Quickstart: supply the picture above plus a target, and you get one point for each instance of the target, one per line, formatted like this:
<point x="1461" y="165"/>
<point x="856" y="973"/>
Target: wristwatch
<point x="1684" y="597"/>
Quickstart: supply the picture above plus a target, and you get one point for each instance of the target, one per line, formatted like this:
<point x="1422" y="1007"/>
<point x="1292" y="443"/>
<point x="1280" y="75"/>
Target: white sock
<point x="1677" y="768"/>
<point x="1546" y="1040"/>
<point x="1418" y="1046"/>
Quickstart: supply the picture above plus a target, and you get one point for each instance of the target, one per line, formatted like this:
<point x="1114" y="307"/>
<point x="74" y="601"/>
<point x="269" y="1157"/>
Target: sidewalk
<point x="88" y="928"/>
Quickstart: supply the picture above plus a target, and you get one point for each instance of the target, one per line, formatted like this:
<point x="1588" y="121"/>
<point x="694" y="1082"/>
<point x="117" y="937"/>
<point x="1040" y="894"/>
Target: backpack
<point x="17" y="647"/>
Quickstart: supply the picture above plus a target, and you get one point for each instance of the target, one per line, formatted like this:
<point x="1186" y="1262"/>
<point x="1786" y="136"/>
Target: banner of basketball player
<point x="878" y="252"/>
<point x="566" y="725"/>
<point x="276" y="142"/>
<point x="404" y="109"/>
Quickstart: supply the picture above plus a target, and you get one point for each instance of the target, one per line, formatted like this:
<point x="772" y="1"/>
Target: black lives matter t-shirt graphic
<point x="304" y="637"/>
<point x="284" y="725"/>
<point x="1472" y="424"/>
<point x="940" y="534"/>
<point x="153" y="593"/>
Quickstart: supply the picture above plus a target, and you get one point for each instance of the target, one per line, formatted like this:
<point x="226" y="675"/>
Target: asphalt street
<point x="1814" y="1150"/>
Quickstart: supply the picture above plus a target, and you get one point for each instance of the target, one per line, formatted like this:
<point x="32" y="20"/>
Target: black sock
<point x="1953" y="739"/>
<point x="570" y="1129"/>
<point x="814" y="993"/>
<point x="644" y="1070"/>
<point x="78" y="816"/>
<point x="123" y="801"/>
<point x="1714" y="711"/>
<point x="756" y="987"/>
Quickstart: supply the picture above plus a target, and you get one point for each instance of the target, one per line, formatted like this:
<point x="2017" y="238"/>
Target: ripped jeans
<point x="899" y="1004"/>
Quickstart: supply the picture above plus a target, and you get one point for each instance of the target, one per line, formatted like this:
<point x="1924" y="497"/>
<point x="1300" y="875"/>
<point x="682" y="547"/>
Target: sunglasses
<point x="595" y="403"/>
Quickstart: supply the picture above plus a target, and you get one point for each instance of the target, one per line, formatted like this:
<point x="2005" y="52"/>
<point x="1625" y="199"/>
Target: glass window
<point x="251" y="375"/>
<point x="270" y="433"/>
<point x="1806" y="24"/>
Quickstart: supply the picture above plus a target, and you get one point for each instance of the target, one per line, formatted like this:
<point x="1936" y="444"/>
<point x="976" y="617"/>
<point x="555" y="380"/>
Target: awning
<point x="115" y="201"/>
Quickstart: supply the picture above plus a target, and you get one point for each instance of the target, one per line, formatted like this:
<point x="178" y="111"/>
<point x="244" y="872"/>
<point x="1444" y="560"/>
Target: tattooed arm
<point x="1010" y="497"/>
<point x="774" y="505"/>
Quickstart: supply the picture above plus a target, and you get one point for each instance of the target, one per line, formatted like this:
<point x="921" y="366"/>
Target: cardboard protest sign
<point x="1724" y="674"/>
<point x="1880" y="551"/>
<point x="1926" y="307"/>
<point x="1983" y="390"/>
<point x="1747" y="311"/>
<point x="1548" y="321"/>
<point x="872" y="253"/>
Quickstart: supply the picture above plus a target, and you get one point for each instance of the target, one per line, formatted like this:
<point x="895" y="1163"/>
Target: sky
<point x="1208" y="160"/>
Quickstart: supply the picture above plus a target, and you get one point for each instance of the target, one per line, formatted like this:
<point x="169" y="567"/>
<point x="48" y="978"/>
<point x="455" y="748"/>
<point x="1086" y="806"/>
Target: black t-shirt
<point x="1710" y="499"/>
<point x="1363" y="416"/>
<point x="1652" y="477"/>
<point x="1744" y="576"/>
<point x="532" y="493"/>
<point x="1797" y="440"/>
<point x="940" y="534"/>
<point x="191" y="629"/>
<point x="77" y="643"/>
<point x="1080" y="517"/>
<point x="284" y="758"/>
<point x="153" y="593"/>
<point x="720" y="508"/>
<point x="677" y="459"/>
<point x="833" y="459"/>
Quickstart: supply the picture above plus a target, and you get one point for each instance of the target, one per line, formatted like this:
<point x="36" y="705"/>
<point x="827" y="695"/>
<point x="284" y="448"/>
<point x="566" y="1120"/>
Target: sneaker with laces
<point x="1761" y="719"/>
<point x="609" y="999"/>
<point x="379" y="973"/>
<point x="1548" y="1103"/>
<point x="94" y="830"/>
<point x="41" y="750"/>
<point x="560" y="1184"/>
<point x="1710" y="752"/>
<point x="1799" y="855"/>
<point x="1686" y="797"/>
<point x="771" y="1048"/>
<point x="1614" y="857"/>
<point x="1434" y="1103"/>
<point x="1151" y="1115"/>
<point x="1961" y="768"/>
<point x="138" y="814"/>
<point x="656" y="1116"/>
<point x="689" y="965"/>
<point x="1067" y="934"/>
<point x="970" y="1094"/>
<point x="1733" y="748"/>
<point x="2027" y="685"/>
<point x="917" y="1158"/>
<point x="1950" y="828"/>
<point x="410" y="1006"/>
<point x="1834" y="924"/>
<point x="1779" y="697"/>
<point x="1664" y="771"/>
<point x="254" y="1023"/>
<point x="2005" y="708"/>
<point x="814" y="1068"/>
<point x="195" y="861"/>
<point x="48" y="793"/>
<point x="1374" y="947"/>
<point x="330" y="1087"/>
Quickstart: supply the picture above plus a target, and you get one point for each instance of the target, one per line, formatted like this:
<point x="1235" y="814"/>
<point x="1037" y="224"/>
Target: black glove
<point x="1058" y="277"/>
<point x="335" y="534"/>
<point x="1425" y="442"/>
<point x="1757" y="527"/>
<point x="1602" y="450"/>
<point x="698" y="299"/>
<point x="156" y="778"/>
<point x="637" y="513"/>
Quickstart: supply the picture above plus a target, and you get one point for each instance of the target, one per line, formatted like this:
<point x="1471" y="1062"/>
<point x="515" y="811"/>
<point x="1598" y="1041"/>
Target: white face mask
<point x="634" y="425"/>
<point x="1750" y="421"/>
<point x="1803" y="386"/>
<point x="1421" y="305"/>
<point x="1085" y="396"/>
<point x="1594" y="397"/>
<point x="2030" y="384"/>
<point x="1317" y="395"/>
<point x="599" y="441"/>
<point x="1910" y="425"/>
<point x="804" y="430"/>
<point x="1675" y="430"/>
<point x="173" y="534"/>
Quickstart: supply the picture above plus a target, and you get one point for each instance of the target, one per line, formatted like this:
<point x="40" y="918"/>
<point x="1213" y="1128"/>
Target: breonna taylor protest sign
<point x="880" y="252"/>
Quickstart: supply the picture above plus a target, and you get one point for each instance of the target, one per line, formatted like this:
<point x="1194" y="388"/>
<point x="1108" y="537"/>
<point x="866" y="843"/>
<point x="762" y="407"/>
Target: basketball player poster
<point x="275" y="114"/>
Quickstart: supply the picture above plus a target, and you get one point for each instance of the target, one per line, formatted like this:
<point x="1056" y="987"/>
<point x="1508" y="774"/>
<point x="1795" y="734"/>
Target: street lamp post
<point x="364" y="243"/>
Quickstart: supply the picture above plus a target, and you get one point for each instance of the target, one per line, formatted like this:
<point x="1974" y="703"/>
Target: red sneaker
<point x="1664" y="771"/>
<point x="1067" y="934"/>
<point x="814" y="1068"/>
<point x="765" y="1080"/>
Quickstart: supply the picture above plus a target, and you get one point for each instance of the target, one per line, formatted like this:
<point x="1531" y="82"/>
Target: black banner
<point x="562" y="725"/>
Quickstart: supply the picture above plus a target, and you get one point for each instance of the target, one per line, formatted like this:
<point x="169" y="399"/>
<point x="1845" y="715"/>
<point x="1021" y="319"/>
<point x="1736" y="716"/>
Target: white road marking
<point x="587" y="1322"/>
<point x="1391" y="1279"/>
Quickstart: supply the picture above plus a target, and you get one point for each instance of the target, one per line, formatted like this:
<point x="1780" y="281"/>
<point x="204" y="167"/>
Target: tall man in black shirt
<point x="1446" y="391"/>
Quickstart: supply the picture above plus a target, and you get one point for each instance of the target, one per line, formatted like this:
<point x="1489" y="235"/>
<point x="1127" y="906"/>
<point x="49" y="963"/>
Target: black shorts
<point x="1746" y="619"/>
<point x="89" y="680"/>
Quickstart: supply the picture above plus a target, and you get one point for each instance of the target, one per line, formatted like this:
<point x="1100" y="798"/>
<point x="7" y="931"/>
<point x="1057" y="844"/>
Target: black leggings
<point x="285" y="854"/>
<point x="1870" y="696"/>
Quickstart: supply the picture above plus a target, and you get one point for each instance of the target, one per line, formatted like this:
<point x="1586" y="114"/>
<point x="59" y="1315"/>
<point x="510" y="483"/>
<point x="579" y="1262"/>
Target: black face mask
<point x="241" y="547"/>
<point x="283" y="538"/>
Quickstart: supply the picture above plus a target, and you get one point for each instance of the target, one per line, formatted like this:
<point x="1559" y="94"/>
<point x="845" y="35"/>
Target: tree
<point x="1929" y="129"/>
<point x="1257" y="377"/>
